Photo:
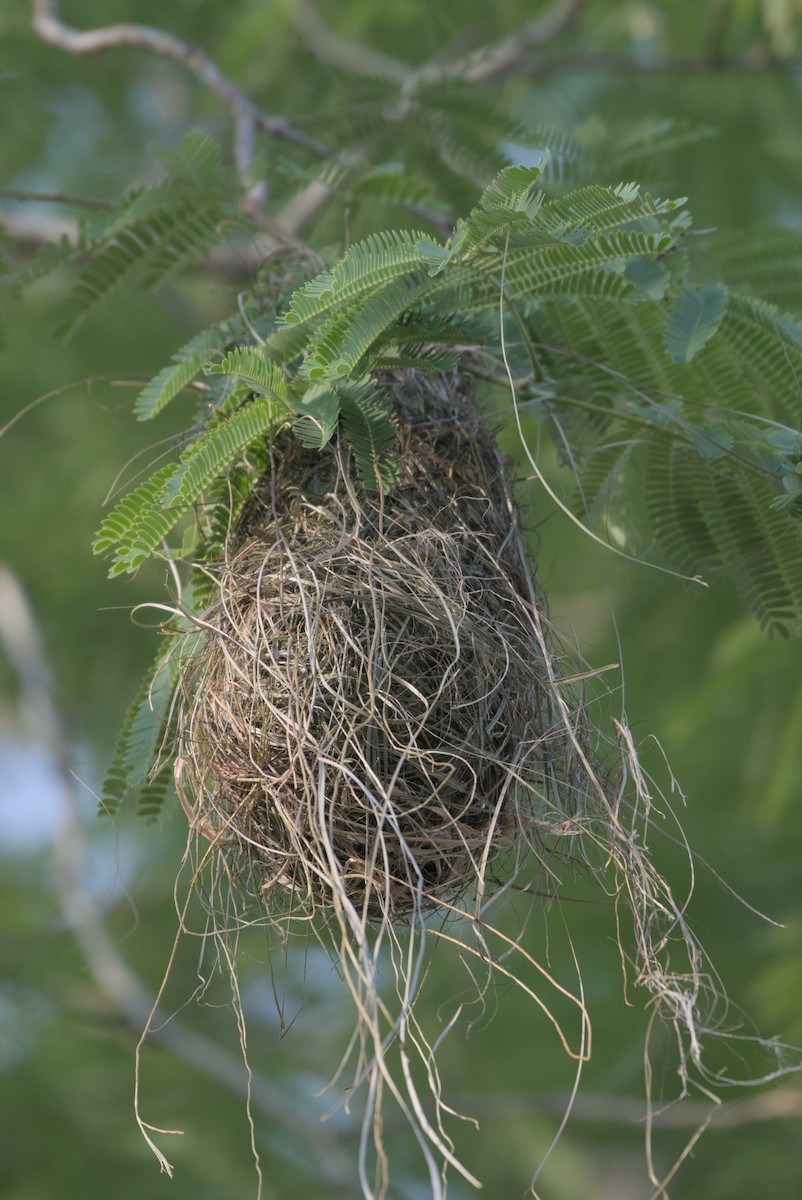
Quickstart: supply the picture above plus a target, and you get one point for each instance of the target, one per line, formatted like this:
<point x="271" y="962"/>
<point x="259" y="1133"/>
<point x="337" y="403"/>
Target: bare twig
<point x="246" y="115"/>
<point x="54" y="198"/>
<point x="111" y="973"/>
<point x="477" y="67"/>
<point x="781" y="1104"/>
<point x="28" y="230"/>
<point x="757" y="61"/>
<point x="514" y="52"/>
<point x="353" y="57"/>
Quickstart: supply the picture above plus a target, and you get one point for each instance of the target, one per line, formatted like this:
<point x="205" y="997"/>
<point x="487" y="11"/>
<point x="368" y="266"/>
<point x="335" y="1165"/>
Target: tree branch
<point x="755" y="62"/>
<point x="53" y="198"/>
<point x="353" y="57"/>
<point x="111" y="973"/>
<point x="29" y="231"/>
<point x="247" y="117"/>
<point x="510" y="55"/>
<point x="477" y="67"/>
<point x="783" y="1103"/>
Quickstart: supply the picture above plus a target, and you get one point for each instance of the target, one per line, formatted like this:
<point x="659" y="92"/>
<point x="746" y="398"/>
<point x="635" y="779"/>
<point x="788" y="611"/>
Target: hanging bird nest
<point x="374" y="725"/>
<point x="372" y="715"/>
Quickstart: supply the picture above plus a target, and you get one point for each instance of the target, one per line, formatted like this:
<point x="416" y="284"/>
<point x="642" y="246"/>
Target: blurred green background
<point x="87" y="908"/>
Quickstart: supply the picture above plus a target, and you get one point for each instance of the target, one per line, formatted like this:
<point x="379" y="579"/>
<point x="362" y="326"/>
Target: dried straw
<point x="371" y="711"/>
<point x="372" y="707"/>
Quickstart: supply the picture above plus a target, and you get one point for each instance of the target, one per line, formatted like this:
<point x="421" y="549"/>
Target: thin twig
<point x="782" y="1104"/>
<point x="247" y="117"/>
<point x="479" y="66"/>
<point x="513" y="53"/>
<point x="29" y="230"/>
<point x="54" y="198"/>
<point x="756" y="62"/>
<point x="353" y="57"/>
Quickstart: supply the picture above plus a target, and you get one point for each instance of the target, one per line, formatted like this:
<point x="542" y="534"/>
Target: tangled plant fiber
<point x="370" y="720"/>
<point x="373" y="702"/>
<point x="378" y="736"/>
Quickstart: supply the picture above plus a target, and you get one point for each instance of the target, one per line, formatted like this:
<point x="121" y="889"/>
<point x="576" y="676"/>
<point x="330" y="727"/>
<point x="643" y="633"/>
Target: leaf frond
<point x="370" y="264"/>
<point x="250" y="365"/>
<point x="142" y="734"/>
<point x="372" y="431"/>
<point x="186" y="365"/>
<point x="216" y="450"/>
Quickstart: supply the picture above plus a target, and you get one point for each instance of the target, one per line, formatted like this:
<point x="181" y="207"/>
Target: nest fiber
<point x="370" y="717"/>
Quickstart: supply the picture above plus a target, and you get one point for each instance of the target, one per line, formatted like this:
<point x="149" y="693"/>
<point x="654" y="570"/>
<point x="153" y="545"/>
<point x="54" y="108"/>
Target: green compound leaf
<point x="221" y="446"/>
<point x="143" y="733"/>
<point x="694" y="319"/>
<point x="372" y="431"/>
<point x="318" y="414"/>
<point x="252" y="367"/>
<point x="144" y="518"/>
<point x="127" y="515"/>
<point x="187" y="363"/>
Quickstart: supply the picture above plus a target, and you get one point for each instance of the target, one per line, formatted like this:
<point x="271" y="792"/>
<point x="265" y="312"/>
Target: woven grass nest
<point x="370" y="717"/>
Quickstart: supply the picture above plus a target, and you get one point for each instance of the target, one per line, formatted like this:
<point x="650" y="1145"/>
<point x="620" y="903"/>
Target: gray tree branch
<point x="784" y="1103"/>
<point x="479" y="66"/>
<point x="515" y="52"/>
<point x="247" y="117"/>
<point x="352" y="57"/>
<point x="111" y="973"/>
<point x="53" y="198"/>
<point x="28" y="231"/>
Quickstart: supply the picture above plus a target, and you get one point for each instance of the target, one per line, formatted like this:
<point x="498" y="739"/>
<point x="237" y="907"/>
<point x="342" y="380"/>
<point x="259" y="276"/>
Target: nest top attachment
<point x="369" y="718"/>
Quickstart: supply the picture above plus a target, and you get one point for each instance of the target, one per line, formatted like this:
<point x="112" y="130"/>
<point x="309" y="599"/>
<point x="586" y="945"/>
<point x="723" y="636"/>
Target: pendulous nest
<point x="371" y="714"/>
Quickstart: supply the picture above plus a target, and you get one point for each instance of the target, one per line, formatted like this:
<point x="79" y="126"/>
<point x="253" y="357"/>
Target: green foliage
<point x="212" y="453"/>
<point x="156" y="231"/>
<point x="506" y="211"/>
<point x="134" y="772"/>
<point x="709" y="513"/>
<point x="369" y="265"/>
<point x="765" y="263"/>
<point x="767" y="347"/>
<point x="249" y="365"/>
<point x="684" y="452"/>
<point x="340" y="344"/>
<point x="655" y="382"/>
<point x="141" y="521"/>
<point x="125" y="519"/>
<point x="318" y="416"/>
<point x="694" y="319"/>
<point x="187" y="363"/>
<point x="371" y="430"/>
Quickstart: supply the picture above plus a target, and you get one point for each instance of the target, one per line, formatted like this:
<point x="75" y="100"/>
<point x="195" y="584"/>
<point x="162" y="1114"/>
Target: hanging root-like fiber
<point x="377" y="732"/>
